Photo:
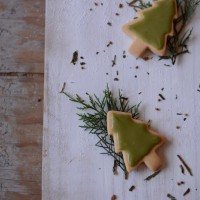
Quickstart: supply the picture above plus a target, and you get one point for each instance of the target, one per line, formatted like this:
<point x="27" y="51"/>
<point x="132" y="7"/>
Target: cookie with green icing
<point x="152" y="27"/>
<point x="135" y="140"/>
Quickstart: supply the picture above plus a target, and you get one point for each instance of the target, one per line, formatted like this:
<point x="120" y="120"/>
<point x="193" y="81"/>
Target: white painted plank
<point x="72" y="165"/>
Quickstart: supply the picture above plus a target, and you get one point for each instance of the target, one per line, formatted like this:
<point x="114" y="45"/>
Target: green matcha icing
<point x="157" y="22"/>
<point x="134" y="138"/>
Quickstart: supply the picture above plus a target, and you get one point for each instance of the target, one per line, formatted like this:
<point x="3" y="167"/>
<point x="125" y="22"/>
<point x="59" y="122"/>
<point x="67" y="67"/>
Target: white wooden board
<point x="72" y="165"/>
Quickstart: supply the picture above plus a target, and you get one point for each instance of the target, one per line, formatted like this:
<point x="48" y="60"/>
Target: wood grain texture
<point x="21" y="98"/>
<point x="22" y="36"/>
<point x="72" y="165"/>
<point x="21" y="136"/>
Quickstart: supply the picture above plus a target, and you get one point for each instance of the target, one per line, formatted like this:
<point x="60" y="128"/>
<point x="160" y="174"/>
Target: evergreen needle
<point x="94" y="118"/>
<point x="152" y="175"/>
<point x="139" y="4"/>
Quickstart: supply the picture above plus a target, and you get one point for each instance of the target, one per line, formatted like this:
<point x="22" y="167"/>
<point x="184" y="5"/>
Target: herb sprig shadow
<point x="94" y="118"/>
<point x="177" y="44"/>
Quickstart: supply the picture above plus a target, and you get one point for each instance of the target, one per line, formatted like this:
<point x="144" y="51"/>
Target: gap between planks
<point x="21" y="74"/>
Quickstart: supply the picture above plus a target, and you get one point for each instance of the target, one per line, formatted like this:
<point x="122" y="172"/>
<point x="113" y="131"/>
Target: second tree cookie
<point x="135" y="140"/>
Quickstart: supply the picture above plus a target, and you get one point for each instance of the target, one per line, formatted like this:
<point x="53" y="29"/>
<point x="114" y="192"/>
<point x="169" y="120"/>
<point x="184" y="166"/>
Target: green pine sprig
<point x="94" y="118"/>
<point x="139" y="4"/>
<point x="177" y="45"/>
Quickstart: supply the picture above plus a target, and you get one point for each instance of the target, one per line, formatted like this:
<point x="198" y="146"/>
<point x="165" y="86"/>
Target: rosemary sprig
<point x="152" y="175"/>
<point x="178" y="43"/>
<point x="95" y="115"/>
<point x="114" y="61"/>
<point x="187" y="192"/>
<point x="75" y="58"/>
<point x="171" y="197"/>
<point x="131" y="188"/>
<point x="185" y="165"/>
<point x="182" y="169"/>
<point x="115" y="167"/>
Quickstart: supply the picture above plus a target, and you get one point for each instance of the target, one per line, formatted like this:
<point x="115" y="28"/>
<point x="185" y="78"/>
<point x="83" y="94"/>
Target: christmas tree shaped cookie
<point x="135" y="140"/>
<point x="152" y="27"/>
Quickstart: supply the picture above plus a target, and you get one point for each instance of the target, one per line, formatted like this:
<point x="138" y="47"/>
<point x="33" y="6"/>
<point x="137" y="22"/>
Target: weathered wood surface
<point x="21" y="98"/>
<point x="22" y="35"/>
